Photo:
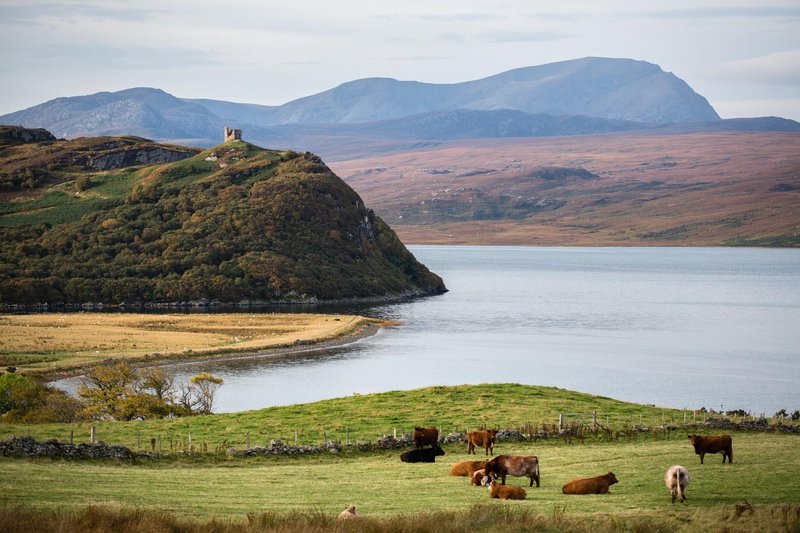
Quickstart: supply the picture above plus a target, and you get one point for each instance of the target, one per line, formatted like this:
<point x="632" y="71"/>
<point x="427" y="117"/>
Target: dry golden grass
<point x="56" y="341"/>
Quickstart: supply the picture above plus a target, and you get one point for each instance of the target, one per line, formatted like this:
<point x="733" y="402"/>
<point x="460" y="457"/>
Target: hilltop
<point x="377" y="115"/>
<point x="125" y="220"/>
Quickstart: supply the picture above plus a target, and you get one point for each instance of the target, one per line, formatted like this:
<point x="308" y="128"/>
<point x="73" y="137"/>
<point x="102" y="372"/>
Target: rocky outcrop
<point x="154" y="155"/>
<point x="19" y="135"/>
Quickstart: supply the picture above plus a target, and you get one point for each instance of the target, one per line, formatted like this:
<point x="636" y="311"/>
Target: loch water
<point x="675" y="327"/>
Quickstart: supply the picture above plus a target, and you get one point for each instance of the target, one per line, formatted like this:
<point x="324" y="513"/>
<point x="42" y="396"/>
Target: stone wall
<point x="29" y="447"/>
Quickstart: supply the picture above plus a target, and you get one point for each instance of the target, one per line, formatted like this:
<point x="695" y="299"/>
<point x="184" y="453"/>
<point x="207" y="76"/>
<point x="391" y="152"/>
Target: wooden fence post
<point x="295" y="437"/>
<point x="560" y="421"/>
<point x="248" y="439"/>
<point x="190" y="442"/>
<point x="71" y="436"/>
<point x="594" y="420"/>
<point x="93" y="435"/>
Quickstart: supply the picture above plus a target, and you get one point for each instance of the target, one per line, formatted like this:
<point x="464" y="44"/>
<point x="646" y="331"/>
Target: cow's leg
<point x="503" y="478"/>
<point x="701" y="457"/>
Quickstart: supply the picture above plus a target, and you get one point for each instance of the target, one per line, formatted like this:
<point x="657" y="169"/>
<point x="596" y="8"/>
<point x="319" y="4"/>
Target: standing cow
<point x="677" y="479"/>
<point x="425" y="436"/>
<point x="513" y="465"/>
<point x="712" y="444"/>
<point x="483" y="438"/>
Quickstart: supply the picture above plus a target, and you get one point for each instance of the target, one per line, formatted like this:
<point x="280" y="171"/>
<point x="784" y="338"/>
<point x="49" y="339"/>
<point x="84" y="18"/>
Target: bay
<point x="675" y="327"/>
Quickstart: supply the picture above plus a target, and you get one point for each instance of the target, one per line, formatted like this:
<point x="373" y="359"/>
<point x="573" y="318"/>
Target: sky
<point x="743" y="56"/>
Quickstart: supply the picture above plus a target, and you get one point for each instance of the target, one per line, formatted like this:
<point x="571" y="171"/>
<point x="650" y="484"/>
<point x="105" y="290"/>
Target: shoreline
<point x="367" y="327"/>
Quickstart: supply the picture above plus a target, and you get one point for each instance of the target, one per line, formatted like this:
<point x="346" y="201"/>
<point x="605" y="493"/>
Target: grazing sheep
<point x="349" y="512"/>
<point x="590" y="485"/>
<point x="677" y="479"/>
<point x="466" y="468"/>
<point x="505" y="492"/>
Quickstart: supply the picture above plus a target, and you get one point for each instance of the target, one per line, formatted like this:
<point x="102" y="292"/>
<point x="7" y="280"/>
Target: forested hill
<point x="230" y="224"/>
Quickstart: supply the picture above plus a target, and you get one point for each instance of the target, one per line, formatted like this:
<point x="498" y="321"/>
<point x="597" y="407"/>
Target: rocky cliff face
<point x="10" y="135"/>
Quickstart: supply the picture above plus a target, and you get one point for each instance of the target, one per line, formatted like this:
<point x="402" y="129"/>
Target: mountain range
<point x="376" y="115"/>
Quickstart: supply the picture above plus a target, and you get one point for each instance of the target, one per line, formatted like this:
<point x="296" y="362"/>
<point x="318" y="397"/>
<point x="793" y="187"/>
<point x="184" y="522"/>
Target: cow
<point x="505" y="492"/>
<point x="425" y="437"/>
<point x="590" y="485"/>
<point x="481" y="479"/>
<point x="712" y="444"/>
<point x="483" y="438"/>
<point x="422" y="455"/>
<point x="677" y="479"/>
<point x="514" y="465"/>
<point x="349" y="512"/>
<point x="466" y="468"/>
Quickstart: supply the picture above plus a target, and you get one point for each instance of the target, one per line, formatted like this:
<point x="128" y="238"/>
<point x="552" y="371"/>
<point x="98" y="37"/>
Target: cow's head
<point x="437" y="450"/>
<point x="692" y="439"/>
<point x="611" y="478"/>
<point x="492" y="433"/>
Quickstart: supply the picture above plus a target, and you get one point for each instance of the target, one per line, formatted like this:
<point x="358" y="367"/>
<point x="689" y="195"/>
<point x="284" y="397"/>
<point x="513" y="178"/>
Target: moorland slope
<point x="108" y="221"/>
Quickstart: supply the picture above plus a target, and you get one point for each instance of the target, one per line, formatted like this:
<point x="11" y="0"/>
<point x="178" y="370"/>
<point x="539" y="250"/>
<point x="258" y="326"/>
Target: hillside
<point x="378" y="115"/>
<point x="233" y="223"/>
<point x="626" y="189"/>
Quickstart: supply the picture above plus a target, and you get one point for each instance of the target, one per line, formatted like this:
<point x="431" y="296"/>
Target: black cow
<point x="422" y="455"/>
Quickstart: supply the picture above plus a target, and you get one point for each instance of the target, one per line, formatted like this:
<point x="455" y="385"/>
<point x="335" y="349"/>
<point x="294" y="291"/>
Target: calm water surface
<point x="677" y="327"/>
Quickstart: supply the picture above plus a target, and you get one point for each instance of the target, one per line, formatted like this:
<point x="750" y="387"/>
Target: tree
<point x="198" y="395"/>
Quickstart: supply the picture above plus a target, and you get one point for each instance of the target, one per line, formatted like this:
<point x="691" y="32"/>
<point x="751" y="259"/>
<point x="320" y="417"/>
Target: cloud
<point x="772" y="69"/>
<point x="726" y="12"/>
<point x="510" y="36"/>
<point x="38" y="13"/>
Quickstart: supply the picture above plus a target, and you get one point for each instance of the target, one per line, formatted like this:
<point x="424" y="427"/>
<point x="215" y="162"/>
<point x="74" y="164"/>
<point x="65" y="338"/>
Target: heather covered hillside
<point x="232" y="223"/>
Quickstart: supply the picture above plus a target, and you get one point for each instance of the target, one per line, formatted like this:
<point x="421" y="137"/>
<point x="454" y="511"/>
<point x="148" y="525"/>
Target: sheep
<point x="677" y="479"/>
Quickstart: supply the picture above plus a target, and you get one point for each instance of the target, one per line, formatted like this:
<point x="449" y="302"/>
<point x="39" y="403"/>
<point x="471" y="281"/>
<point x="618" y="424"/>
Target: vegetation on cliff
<point x="236" y="222"/>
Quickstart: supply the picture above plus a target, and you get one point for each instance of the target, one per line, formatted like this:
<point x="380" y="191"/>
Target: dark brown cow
<point x="712" y="444"/>
<point x="483" y="438"/>
<point x="422" y="455"/>
<point x="514" y="465"/>
<point x="425" y="437"/>
<point x="466" y="468"/>
<point x="510" y="492"/>
<point x="590" y="485"/>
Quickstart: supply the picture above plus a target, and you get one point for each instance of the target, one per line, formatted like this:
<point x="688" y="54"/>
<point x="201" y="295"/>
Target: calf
<point x="712" y="444"/>
<point x="677" y="479"/>
<point x="425" y="437"/>
<point x="505" y="492"/>
<point x="514" y="465"/>
<point x="466" y="468"/>
<point x="590" y="485"/>
<point x="422" y="455"/>
<point x="481" y="479"/>
<point x="349" y="512"/>
<point x="483" y="438"/>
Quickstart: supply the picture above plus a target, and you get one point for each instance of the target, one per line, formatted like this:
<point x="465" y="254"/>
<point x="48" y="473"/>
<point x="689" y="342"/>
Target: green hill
<point x="95" y="221"/>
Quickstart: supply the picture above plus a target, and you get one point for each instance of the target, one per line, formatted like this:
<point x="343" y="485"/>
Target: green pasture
<point x="766" y="471"/>
<point x="368" y="417"/>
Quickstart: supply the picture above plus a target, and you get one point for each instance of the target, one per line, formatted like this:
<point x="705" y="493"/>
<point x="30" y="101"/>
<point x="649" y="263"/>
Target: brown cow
<point x="590" y="485"/>
<point x="514" y="465"/>
<point x="466" y="468"/>
<point x="506" y="492"/>
<point x="483" y="438"/>
<point x="348" y="513"/>
<point x="481" y="479"/>
<point x="425" y="437"/>
<point x="712" y="444"/>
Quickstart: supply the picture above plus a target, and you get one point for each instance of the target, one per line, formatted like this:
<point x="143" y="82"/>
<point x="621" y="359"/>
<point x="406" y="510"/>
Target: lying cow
<point x="483" y="438"/>
<point x="505" y="492"/>
<point x="677" y="479"/>
<point x="349" y="512"/>
<point x="425" y="437"/>
<point x="422" y="455"/>
<point x="712" y="444"/>
<point x="481" y="479"/>
<point x="466" y="468"/>
<point x="514" y="465"/>
<point x="590" y="485"/>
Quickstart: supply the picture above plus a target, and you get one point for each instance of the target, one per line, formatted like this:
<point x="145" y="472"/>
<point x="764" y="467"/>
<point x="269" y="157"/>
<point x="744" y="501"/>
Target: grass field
<point x="304" y="493"/>
<point x="51" y="342"/>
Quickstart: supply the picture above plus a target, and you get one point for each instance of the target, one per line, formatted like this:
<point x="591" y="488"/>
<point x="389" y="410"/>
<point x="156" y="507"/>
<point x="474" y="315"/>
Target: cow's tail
<point x="538" y="476"/>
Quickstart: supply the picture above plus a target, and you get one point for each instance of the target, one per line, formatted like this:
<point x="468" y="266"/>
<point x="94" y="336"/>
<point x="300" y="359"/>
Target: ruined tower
<point x="232" y="134"/>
